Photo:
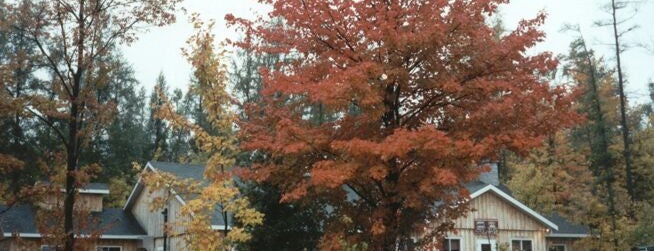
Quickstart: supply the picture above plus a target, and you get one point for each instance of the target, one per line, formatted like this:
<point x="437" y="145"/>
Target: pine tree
<point x="18" y="62"/>
<point x="158" y="130"/>
<point x="600" y="134"/>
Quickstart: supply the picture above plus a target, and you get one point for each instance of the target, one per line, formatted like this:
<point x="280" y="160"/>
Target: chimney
<point x="91" y="196"/>
<point x="492" y="177"/>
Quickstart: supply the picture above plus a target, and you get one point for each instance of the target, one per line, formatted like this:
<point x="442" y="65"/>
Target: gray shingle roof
<point x="117" y="221"/>
<point x="565" y="226"/>
<point x="18" y="219"/>
<point x="182" y="171"/>
<point x="112" y="221"/>
<point x="193" y="172"/>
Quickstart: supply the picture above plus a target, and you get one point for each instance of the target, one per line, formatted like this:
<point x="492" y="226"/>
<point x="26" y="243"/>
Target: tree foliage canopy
<point x="394" y="103"/>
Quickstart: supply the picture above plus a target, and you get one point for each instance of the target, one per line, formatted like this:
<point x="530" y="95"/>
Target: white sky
<point x="159" y="49"/>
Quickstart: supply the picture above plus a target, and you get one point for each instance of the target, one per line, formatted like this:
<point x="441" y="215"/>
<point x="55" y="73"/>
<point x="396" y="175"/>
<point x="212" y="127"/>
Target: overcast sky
<point x="159" y="49"/>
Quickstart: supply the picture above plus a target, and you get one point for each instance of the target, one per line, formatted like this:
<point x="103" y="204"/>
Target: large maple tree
<point x="388" y="108"/>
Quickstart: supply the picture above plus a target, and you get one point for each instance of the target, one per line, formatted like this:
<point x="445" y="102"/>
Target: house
<point x="140" y="199"/>
<point x="133" y="227"/>
<point x="119" y="229"/>
<point x="497" y="220"/>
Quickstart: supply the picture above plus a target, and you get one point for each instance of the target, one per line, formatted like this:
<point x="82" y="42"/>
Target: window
<point x="521" y="245"/>
<point x="109" y="248"/>
<point x="47" y="248"/>
<point x="486" y="226"/>
<point x="452" y="245"/>
<point x="557" y="247"/>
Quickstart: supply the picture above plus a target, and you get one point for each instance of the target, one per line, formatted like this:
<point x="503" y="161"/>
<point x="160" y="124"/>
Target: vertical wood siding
<point x="513" y="224"/>
<point x="152" y="221"/>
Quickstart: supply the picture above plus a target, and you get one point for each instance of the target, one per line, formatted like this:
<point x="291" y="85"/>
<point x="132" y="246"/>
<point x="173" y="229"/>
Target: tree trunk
<point x="73" y="134"/>
<point x="623" y="113"/>
<point x="71" y="167"/>
<point x="71" y="162"/>
<point x="70" y="191"/>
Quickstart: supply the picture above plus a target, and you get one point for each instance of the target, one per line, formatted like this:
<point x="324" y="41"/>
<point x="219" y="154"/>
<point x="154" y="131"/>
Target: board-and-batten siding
<point x="91" y="202"/>
<point x="152" y="221"/>
<point x="512" y="223"/>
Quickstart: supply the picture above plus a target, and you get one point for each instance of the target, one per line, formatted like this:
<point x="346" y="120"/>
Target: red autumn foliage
<point x="396" y="102"/>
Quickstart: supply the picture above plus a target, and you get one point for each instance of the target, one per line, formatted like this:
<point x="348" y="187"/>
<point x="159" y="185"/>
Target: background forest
<point x="599" y="171"/>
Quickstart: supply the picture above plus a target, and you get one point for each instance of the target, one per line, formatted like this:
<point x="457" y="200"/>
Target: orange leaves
<point x="424" y="142"/>
<point x="398" y="101"/>
<point x="299" y="191"/>
<point x="378" y="172"/>
<point x="331" y="174"/>
<point x="445" y="177"/>
<point x="378" y="228"/>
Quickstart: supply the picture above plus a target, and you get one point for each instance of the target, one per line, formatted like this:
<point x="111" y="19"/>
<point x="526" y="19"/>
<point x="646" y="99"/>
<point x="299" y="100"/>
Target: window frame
<point x="99" y="247"/>
<point x="565" y="247"/>
<point x="460" y="239"/>
<point x="521" y="240"/>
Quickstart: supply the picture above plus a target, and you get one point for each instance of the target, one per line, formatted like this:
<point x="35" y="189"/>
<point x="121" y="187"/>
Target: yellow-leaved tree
<point x="218" y="145"/>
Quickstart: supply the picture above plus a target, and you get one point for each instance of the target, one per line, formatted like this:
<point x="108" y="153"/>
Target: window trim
<point x="565" y="247"/>
<point x="521" y="240"/>
<point x="459" y="238"/>
<point x="108" y="246"/>
<point x="481" y="241"/>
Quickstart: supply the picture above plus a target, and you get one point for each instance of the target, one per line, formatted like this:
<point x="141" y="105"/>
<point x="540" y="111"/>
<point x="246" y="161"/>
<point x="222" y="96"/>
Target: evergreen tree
<point x="157" y="129"/>
<point x="18" y="62"/>
<point x="283" y="221"/>
<point x="599" y="134"/>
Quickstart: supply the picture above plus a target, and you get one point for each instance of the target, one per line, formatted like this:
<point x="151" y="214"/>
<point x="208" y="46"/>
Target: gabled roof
<point x="182" y="171"/>
<point x="566" y="229"/>
<point x="114" y="223"/>
<point x="478" y="185"/>
<point x="479" y="189"/>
